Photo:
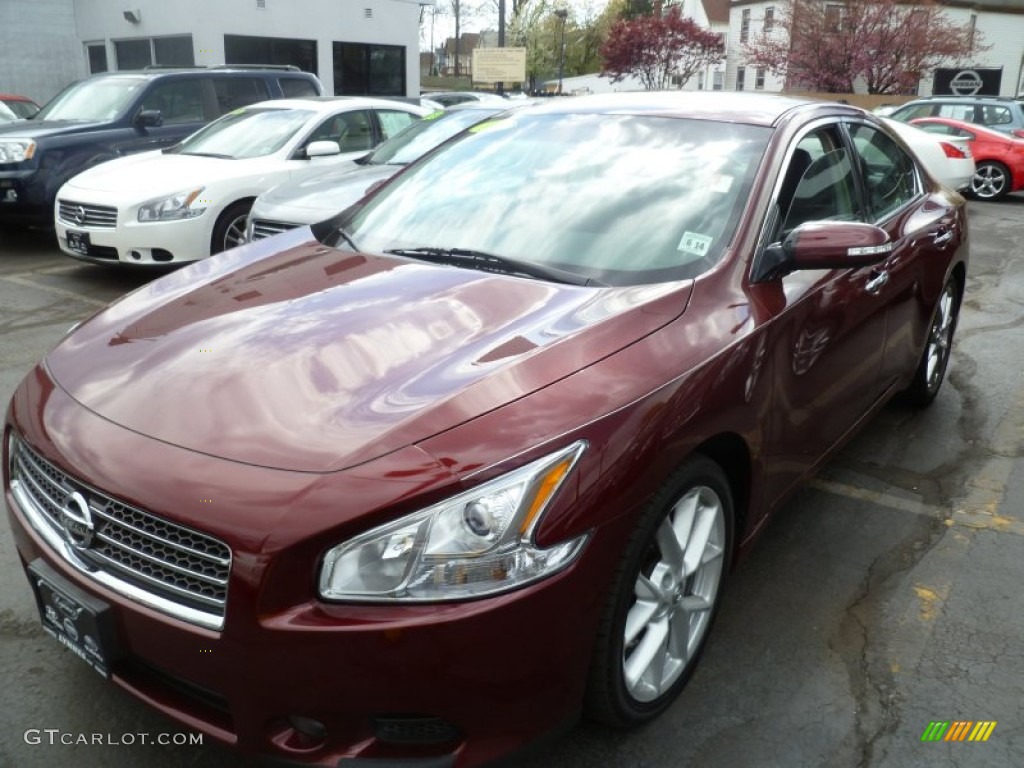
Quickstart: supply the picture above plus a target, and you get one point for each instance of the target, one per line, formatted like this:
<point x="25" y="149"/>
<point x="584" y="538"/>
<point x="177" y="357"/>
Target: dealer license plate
<point x="76" y="620"/>
<point x="78" y="242"/>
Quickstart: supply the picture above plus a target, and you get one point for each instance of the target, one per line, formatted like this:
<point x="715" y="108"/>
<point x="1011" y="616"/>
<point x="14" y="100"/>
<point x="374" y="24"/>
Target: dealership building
<point x="356" y="47"/>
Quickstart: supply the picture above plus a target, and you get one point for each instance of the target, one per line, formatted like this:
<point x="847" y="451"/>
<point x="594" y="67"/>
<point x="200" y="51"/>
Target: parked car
<point x="451" y="98"/>
<point x="431" y="478"/>
<point x="120" y="113"/>
<point x="1000" y="113"/>
<point x="947" y="158"/>
<point x="999" y="158"/>
<point x="14" y="107"/>
<point x="184" y="203"/>
<point x="307" y="201"/>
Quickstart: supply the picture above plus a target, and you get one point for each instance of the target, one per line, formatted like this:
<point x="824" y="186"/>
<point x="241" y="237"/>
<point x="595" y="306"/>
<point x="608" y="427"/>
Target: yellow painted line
<point x="880" y="498"/>
<point x="26" y="283"/>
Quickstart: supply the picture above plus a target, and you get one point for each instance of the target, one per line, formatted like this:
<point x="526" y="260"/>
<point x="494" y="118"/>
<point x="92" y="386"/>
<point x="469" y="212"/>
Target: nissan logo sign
<point x="966" y="82"/>
<point x="76" y="520"/>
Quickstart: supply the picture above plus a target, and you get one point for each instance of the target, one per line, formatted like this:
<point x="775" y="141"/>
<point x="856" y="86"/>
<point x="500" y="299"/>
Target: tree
<point x="884" y="44"/>
<point x="661" y="49"/>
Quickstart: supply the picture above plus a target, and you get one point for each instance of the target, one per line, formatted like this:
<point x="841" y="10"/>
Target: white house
<point x="1000" y="24"/>
<point x="369" y="47"/>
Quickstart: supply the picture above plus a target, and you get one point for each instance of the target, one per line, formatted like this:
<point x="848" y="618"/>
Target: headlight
<point x="477" y="543"/>
<point x="173" y="207"/>
<point x="17" y="150"/>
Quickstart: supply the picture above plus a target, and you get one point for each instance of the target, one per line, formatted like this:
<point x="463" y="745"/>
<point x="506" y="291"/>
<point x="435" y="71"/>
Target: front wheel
<point x="229" y="230"/>
<point x="991" y="181"/>
<point x="664" y="597"/>
<point x="931" y="371"/>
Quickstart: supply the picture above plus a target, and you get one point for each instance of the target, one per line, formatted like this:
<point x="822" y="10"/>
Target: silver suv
<point x="1000" y="113"/>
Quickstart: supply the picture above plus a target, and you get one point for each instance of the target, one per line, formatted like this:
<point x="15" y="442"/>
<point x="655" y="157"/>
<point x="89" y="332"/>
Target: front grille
<point x="262" y="228"/>
<point x="85" y="215"/>
<point x="181" y="566"/>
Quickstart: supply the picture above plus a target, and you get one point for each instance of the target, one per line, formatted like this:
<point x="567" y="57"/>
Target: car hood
<point x="150" y="174"/>
<point x="315" y="359"/>
<point x="35" y="129"/>
<point x="319" y="198"/>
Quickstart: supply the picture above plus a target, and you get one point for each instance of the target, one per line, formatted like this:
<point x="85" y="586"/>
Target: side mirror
<point x="149" y="118"/>
<point x="827" y="245"/>
<point x="322" y="149"/>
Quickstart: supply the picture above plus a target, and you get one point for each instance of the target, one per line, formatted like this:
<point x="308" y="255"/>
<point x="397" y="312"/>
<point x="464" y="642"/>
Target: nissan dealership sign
<point x="971" y="81"/>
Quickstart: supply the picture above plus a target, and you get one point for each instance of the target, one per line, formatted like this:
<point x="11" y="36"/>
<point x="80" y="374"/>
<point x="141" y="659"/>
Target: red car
<point x="420" y="483"/>
<point x="16" y="107"/>
<point x="999" y="157"/>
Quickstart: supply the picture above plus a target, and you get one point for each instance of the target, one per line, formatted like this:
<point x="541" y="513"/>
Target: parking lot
<point x="884" y="596"/>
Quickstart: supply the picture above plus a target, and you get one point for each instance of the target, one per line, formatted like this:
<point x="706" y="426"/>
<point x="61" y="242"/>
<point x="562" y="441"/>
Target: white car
<point x="947" y="158"/>
<point x="182" y="204"/>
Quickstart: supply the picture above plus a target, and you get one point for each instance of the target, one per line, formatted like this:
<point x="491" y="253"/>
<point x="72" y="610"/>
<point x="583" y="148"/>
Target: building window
<point x="246" y="49"/>
<point x="741" y="75"/>
<point x="97" y="57"/>
<point x="143" y="52"/>
<point x="717" y="80"/>
<point x="833" y="17"/>
<point x="362" y="69"/>
<point x="759" y="79"/>
<point x="769" y="18"/>
<point x="700" y="81"/>
<point x="971" y="29"/>
<point x="744" y="25"/>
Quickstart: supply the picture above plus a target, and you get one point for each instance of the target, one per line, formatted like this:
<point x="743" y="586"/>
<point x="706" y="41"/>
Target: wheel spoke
<point x="680" y="635"/>
<point x="649" y="653"/>
<point x="639" y="616"/>
<point x="698" y="542"/>
<point x="670" y="546"/>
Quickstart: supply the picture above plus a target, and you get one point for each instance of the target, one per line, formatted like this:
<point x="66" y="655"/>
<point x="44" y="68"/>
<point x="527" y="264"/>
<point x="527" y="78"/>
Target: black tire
<point x="931" y="371"/>
<point x="229" y="230"/>
<point x="611" y="697"/>
<point x="991" y="181"/>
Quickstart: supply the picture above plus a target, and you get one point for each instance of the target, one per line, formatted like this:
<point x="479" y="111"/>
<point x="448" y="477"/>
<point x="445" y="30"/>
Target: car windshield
<point x="423" y="135"/>
<point x="247" y="132"/>
<point x="7" y="114"/>
<point x="22" y="109"/>
<point x="619" y="199"/>
<point x="101" y="99"/>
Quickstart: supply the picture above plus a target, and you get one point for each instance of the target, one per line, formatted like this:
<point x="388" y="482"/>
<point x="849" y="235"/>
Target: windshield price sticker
<point x="695" y="244"/>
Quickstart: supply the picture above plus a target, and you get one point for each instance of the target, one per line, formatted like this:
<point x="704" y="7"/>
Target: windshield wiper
<point x="488" y="262"/>
<point x="208" y="154"/>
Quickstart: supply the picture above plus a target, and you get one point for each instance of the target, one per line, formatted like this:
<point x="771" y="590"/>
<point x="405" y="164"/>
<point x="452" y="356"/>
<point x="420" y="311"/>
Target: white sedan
<point x="947" y="158"/>
<point x="184" y="203"/>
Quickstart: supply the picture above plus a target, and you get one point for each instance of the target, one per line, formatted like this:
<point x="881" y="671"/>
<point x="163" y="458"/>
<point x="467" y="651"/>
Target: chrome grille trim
<point x="262" y="228"/>
<point x="127" y="554"/>
<point x="75" y="214"/>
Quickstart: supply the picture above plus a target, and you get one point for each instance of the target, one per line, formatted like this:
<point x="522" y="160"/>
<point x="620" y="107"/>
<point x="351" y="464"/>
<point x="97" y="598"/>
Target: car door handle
<point x="942" y="236"/>
<point x="876" y="283"/>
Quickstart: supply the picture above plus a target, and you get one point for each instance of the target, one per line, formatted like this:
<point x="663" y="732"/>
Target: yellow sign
<point x="499" y="65"/>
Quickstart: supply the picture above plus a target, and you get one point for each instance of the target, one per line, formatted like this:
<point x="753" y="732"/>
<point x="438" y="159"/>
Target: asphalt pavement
<point x="884" y="597"/>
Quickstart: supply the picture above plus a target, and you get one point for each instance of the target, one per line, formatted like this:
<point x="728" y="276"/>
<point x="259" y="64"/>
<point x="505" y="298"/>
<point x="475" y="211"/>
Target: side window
<point x="912" y="113"/>
<point x="351" y="131"/>
<point x="940" y="128"/>
<point x="818" y="184"/>
<point x="235" y="92"/>
<point x="179" y="101"/>
<point x="991" y="115"/>
<point x="963" y="112"/>
<point x="393" y="121"/>
<point x="889" y="173"/>
<point x="297" y="87"/>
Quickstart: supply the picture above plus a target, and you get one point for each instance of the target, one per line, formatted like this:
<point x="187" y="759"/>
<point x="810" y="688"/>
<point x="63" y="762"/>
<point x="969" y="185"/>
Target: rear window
<point x="235" y="92"/>
<point x="912" y="112"/>
<point x="297" y="87"/>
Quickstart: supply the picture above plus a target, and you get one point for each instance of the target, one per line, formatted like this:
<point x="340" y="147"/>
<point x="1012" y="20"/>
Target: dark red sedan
<point x="998" y="157"/>
<point x="420" y="483"/>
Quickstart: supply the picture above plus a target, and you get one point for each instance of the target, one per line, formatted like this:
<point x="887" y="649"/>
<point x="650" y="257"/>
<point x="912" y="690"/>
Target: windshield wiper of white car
<point x="488" y="262"/>
<point x="208" y="154"/>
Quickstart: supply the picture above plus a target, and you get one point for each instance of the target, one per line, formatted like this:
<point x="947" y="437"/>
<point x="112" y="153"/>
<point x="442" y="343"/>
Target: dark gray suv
<point x="118" y="113"/>
<point x="1000" y="113"/>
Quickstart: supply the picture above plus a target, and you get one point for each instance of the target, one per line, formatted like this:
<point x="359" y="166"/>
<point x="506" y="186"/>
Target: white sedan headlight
<point x="16" y="150"/>
<point x="476" y="543"/>
<point x="173" y="207"/>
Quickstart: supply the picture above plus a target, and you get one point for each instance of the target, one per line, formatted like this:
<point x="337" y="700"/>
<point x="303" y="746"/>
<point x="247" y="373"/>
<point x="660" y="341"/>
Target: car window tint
<point x="235" y="92"/>
<point x="963" y="112"/>
<point x="297" y="87"/>
<point x="394" y="121"/>
<point x="818" y="183"/>
<point x="889" y="172"/>
<point x="180" y="101"/>
<point x="910" y="113"/>
<point x="945" y="130"/>
<point x="992" y="115"/>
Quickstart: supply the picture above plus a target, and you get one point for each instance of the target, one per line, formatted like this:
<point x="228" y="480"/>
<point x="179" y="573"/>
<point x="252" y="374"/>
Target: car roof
<point x="152" y="74"/>
<point x="977" y="128"/>
<point x="740" y="107"/>
<point x="326" y="104"/>
<point x="15" y="97"/>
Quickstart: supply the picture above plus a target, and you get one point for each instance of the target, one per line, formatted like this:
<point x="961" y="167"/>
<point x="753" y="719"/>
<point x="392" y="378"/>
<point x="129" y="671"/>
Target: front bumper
<point x="453" y="684"/>
<point x="23" y="199"/>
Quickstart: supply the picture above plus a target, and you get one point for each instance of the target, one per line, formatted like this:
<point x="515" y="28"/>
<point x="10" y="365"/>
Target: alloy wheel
<point x="989" y="181"/>
<point x="940" y="338"/>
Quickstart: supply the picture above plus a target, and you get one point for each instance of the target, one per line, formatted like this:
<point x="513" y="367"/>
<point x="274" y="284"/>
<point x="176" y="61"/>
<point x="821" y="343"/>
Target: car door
<point x="180" y="103"/>
<point x="828" y="328"/>
<point x="921" y="226"/>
